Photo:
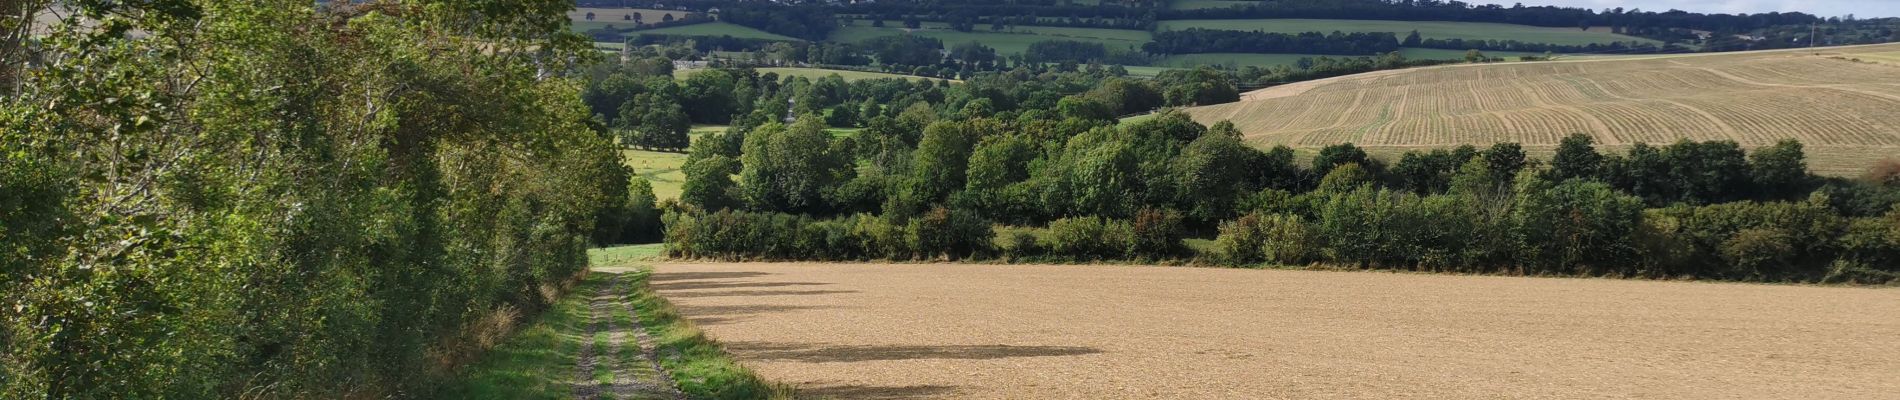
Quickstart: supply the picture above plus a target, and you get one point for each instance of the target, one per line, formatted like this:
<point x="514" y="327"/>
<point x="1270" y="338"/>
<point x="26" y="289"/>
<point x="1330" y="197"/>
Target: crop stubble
<point x="1001" y="331"/>
<point x="1843" y="110"/>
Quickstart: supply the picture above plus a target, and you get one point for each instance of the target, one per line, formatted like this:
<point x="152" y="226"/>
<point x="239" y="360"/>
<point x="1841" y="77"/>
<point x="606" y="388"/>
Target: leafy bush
<point x="1022" y="245"/>
<point x="1272" y="238"/>
<point x="1157" y="234"/>
<point x="944" y="233"/>
<point x="1090" y="238"/>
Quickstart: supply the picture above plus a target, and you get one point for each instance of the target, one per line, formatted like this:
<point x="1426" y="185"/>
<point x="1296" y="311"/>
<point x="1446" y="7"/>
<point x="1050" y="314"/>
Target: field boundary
<point x="698" y="365"/>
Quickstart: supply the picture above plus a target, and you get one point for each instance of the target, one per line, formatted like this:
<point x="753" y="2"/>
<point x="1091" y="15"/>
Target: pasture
<point x="1028" y="331"/>
<point x="716" y="29"/>
<point x="1426" y="29"/>
<point x="1206" y="4"/>
<point x="1842" y="110"/>
<point x="660" y="168"/>
<point x="813" y="73"/>
<point x="1011" y="40"/>
<point x="618" y="17"/>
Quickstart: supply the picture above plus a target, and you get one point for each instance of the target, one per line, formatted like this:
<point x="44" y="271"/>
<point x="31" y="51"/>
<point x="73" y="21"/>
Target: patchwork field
<point x="1842" y="110"/>
<point x="1012" y="40"/>
<point x="617" y="17"/>
<point x="717" y="29"/>
<point x="813" y="73"/>
<point x="1017" y="331"/>
<point x="1205" y="4"/>
<point x="1267" y="59"/>
<point x="1426" y="29"/>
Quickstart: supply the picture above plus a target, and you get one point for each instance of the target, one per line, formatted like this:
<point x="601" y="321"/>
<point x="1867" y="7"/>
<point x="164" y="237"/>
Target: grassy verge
<point x="537" y="362"/>
<point x="700" y="367"/>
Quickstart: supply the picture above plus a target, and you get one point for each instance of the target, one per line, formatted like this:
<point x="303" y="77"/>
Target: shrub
<point x="1752" y="252"/>
<point x="944" y="233"/>
<point x="1021" y="245"/>
<point x="1272" y="238"/>
<point x="1157" y="234"/>
<point x="1090" y="238"/>
<point x="1240" y="241"/>
<point x="1286" y="240"/>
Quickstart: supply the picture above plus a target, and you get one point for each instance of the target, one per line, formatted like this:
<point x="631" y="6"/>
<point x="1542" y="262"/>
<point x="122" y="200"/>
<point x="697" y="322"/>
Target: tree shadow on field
<point x="879" y="392"/>
<point x="688" y="276"/>
<point x="722" y="315"/>
<point x="829" y="354"/>
<point x="752" y="293"/>
<point x="728" y="285"/>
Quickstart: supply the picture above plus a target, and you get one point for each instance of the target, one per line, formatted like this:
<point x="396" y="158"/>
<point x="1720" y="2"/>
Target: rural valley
<point x="982" y="199"/>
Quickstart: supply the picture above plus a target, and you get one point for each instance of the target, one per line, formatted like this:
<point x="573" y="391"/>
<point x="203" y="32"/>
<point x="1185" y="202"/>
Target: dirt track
<point x="978" y="331"/>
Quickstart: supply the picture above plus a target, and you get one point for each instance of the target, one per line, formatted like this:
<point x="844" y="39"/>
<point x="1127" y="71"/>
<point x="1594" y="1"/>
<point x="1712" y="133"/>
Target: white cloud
<point x="1826" y="8"/>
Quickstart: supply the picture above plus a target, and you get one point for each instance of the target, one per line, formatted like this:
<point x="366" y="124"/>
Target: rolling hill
<point x="1426" y="29"/>
<point x="1840" y="106"/>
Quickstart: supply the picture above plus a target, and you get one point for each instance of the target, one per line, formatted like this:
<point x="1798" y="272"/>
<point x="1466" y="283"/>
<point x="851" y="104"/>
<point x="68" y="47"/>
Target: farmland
<point x="1265" y="60"/>
<point x="717" y="29"/>
<point x="1012" y="40"/>
<point x="812" y="73"/>
<point x="1839" y="108"/>
<point x="1205" y="4"/>
<point x="1426" y="29"/>
<point x="617" y="17"/>
<point x="1024" y="331"/>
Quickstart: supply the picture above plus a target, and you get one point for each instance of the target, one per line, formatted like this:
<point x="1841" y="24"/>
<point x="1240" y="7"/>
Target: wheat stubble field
<point x="1841" y="102"/>
<point x="1011" y="331"/>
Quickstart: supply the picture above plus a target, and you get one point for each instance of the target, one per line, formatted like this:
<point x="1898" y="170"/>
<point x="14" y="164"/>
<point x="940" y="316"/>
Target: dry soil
<point x="1002" y="331"/>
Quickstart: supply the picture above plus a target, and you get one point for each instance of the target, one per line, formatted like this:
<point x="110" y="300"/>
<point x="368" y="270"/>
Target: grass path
<point x="614" y="363"/>
<point x="611" y="337"/>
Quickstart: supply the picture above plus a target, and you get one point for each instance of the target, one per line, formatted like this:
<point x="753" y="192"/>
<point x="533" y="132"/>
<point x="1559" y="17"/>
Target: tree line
<point x="1198" y="40"/>
<point x="1548" y="16"/>
<point x="281" y="199"/>
<point x="933" y="182"/>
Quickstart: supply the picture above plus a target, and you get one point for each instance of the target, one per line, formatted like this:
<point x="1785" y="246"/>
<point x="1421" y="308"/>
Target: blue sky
<point x="1826" y="8"/>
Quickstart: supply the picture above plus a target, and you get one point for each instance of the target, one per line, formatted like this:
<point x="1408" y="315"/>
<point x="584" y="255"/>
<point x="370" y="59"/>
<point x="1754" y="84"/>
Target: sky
<point x="1825" y="8"/>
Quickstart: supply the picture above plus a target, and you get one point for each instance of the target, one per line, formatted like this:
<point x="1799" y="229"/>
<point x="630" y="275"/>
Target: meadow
<point x="1841" y="109"/>
<point x="1426" y="29"/>
<point x="1037" y="331"/>
<point x="1011" y="40"/>
<point x="1206" y="4"/>
<point x="814" y="73"/>
<point x="717" y="29"/>
<point x="617" y="17"/>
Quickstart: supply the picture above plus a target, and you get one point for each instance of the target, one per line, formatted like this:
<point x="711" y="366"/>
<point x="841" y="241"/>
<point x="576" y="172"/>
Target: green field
<point x="1205" y="4"/>
<point x="1428" y="29"/>
<point x="1147" y="71"/>
<point x="813" y="73"/>
<point x="718" y="29"/>
<point x="1012" y="40"/>
<point x="660" y="168"/>
<point x="1247" y="59"/>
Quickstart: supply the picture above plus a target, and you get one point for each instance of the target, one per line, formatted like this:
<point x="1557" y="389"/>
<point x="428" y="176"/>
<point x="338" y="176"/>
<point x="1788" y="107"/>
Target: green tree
<point x="1576" y="158"/>
<point x="1345" y="178"/>
<point x="653" y="122"/>
<point x="790" y="168"/>
<point x="1333" y="156"/>
<point x="224" y="199"/>
<point x="1780" y="171"/>
<point x="1211" y="175"/>
<point x="943" y="157"/>
<point x="1505" y="160"/>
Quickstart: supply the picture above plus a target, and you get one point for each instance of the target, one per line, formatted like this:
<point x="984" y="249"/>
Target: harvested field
<point x="1842" y="109"/>
<point x="1426" y="29"/>
<point x="1011" y="331"/>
